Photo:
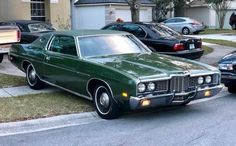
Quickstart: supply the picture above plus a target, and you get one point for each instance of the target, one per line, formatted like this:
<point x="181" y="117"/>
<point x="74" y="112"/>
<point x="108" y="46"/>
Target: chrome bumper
<point x="173" y="98"/>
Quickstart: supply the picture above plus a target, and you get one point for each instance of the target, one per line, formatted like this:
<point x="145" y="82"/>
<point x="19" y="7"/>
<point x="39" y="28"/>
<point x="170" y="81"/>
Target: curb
<point x="43" y="124"/>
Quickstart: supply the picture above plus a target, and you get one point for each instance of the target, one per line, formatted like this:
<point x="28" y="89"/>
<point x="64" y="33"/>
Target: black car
<point x="162" y="39"/>
<point x="30" y="30"/>
<point x="227" y="66"/>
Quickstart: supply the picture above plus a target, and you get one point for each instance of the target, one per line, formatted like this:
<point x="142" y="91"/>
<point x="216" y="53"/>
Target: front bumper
<point x="173" y="98"/>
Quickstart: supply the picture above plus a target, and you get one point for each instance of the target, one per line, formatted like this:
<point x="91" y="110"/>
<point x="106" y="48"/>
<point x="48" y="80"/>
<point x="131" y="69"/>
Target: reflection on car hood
<point x="151" y="64"/>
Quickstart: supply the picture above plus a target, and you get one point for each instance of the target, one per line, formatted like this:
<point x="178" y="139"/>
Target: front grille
<point x="179" y="83"/>
<point x="161" y="85"/>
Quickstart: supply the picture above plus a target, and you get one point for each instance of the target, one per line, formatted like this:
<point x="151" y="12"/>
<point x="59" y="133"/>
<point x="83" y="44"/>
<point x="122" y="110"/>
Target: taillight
<point x="18" y="35"/>
<point x="178" y="47"/>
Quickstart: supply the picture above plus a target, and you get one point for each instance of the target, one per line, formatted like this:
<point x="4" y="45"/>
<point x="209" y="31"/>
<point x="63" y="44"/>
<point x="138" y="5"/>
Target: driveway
<point x="224" y="36"/>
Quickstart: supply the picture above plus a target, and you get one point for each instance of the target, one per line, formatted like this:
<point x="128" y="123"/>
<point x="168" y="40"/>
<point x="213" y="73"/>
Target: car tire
<point x="197" y="32"/>
<point x="185" y="31"/>
<point x="1" y="58"/>
<point x="104" y="103"/>
<point x="32" y="78"/>
<point x="232" y="89"/>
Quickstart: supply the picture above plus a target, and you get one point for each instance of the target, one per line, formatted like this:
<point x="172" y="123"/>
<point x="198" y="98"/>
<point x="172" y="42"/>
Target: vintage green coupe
<point x="114" y="69"/>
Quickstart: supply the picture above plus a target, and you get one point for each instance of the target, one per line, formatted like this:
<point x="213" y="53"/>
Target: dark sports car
<point x="30" y="30"/>
<point x="114" y="69"/>
<point x="227" y="66"/>
<point x="160" y="38"/>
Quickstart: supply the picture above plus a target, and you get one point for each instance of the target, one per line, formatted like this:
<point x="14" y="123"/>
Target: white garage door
<point x="90" y="17"/>
<point x="125" y="15"/>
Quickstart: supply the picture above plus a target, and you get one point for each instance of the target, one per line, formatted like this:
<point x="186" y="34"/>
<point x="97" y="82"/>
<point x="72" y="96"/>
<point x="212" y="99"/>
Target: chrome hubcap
<point x="32" y="76"/>
<point x="104" y="100"/>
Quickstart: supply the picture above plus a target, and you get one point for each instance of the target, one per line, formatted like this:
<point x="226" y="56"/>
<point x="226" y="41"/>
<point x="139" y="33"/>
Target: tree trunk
<point x="134" y="14"/>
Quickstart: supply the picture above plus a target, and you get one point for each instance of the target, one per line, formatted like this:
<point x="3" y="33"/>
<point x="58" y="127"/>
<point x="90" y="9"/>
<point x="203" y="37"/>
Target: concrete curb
<point x="37" y="125"/>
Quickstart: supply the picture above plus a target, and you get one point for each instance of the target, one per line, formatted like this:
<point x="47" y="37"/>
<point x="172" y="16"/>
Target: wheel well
<point x="25" y="64"/>
<point x="93" y="83"/>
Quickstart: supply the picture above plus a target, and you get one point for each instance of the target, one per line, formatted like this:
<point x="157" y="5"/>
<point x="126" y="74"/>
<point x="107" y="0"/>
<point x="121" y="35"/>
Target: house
<point x="203" y="12"/>
<point x="94" y="14"/>
<point x="55" y="11"/>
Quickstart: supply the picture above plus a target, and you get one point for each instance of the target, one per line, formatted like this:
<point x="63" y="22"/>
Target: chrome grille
<point x="179" y="83"/>
<point x="161" y="85"/>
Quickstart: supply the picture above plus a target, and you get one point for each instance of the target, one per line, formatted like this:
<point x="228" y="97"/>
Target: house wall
<point x="57" y="11"/>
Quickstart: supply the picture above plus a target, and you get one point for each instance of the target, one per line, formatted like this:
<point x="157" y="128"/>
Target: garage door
<point x="125" y="15"/>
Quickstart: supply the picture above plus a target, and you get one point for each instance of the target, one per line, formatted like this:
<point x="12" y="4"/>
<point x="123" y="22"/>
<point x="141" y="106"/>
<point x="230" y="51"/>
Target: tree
<point x="220" y="7"/>
<point x="134" y="8"/>
<point x="162" y="8"/>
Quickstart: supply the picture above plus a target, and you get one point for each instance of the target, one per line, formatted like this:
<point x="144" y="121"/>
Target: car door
<point x="61" y="63"/>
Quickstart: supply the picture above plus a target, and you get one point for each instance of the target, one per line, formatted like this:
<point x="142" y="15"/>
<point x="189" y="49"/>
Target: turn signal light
<point x="145" y="102"/>
<point x="207" y="93"/>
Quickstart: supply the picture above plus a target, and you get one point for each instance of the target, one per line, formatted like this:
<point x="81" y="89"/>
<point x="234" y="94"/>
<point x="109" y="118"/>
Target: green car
<point x="114" y="69"/>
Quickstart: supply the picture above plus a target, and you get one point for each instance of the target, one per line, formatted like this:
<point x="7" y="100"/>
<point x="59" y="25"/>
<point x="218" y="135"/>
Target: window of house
<point x="63" y="45"/>
<point x="38" y="10"/>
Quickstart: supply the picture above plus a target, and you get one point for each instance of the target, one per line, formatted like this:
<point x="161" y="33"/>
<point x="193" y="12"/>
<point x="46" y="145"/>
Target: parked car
<point x="184" y="25"/>
<point x="8" y="35"/>
<point x="232" y="21"/>
<point x="114" y="69"/>
<point x="30" y="30"/>
<point x="227" y="66"/>
<point x="162" y="39"/>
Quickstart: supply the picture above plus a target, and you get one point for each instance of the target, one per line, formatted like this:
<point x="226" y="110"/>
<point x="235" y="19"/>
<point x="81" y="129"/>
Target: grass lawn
<point x="42" y="105"/>
<point x="207" y="49"/>
<point x="11" y="81"/>
<point x="220" y="42"/>
<point x="217" y="31"/>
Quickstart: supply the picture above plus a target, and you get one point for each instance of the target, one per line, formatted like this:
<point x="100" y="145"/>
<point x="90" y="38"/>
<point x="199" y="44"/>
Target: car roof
<point x="89" y="32"/>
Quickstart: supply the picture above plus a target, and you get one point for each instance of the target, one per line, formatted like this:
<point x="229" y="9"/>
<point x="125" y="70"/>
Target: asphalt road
<point x="210" y="122"/>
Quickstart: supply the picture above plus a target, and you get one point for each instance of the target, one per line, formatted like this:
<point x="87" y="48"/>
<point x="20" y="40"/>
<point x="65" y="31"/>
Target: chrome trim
<point x="78" y="94"/>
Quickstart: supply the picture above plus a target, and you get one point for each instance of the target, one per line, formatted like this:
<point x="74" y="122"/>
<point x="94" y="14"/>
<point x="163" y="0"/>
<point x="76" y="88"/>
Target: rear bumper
<point x="4" y="49"/>
<point x="190" y="54"/>
<point x="173" y="98"/>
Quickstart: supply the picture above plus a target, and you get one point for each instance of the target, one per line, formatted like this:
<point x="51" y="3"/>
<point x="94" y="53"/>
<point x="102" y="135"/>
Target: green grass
<point x="207" y="50"/>
<point x="217" y="31"/>
<point x="220" y="42"/>
<point x="41" y="105"/>
<point x="11" y="81"/>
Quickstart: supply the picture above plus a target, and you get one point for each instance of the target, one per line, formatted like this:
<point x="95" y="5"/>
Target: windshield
<point x="40" y="27"/>
<point x="110" y="45"/>
<point x="164" y="31"/>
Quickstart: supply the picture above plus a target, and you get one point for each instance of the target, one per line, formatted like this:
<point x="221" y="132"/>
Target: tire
<point x="185" y="31"/>
<point x="232" y="89"/>
<point x="32" y="79"/>
<point x="196" y="32"/>
<point x="1" y="57"/>
<point x="104" y="103"/>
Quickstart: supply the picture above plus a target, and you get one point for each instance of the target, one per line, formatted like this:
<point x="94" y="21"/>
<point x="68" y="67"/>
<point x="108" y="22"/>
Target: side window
<point x="179" y="20"/>
<point x="112" y="27"/>
<point x="170" y="21"/>
<point x="63" y="45"/>
<point x="134" y="29"/>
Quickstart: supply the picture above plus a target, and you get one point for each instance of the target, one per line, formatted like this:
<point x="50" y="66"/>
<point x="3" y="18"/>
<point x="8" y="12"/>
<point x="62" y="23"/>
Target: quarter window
<point x="135" y="30"/>
<point x="63" y="45"/>
<point x="38" y="10"/>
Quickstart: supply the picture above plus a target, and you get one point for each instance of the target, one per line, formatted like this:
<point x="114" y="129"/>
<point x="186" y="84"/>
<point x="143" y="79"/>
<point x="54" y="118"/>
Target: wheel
<point x="104" y="103"/>
<point x="32" y="79"/>
<point x="185" y="31"/>
<point x="1" y="58"/>
<point x="232" y="89"/>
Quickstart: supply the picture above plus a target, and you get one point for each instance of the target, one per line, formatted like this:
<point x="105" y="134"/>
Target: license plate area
<point x="191" y="46"/>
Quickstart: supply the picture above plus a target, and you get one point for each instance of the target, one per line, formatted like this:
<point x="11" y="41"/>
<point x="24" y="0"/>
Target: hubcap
<point x="104" y="100"/>
<point x="32" y="76"/>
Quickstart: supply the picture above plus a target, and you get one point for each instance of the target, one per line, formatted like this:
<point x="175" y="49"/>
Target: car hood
<point x="230" y="58"/>
<point x="151" y="65"/>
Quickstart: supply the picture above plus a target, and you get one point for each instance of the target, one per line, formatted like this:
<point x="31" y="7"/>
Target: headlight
<point x="200" y="80"/>
<point x="141" y="87"/>
<point x="151" y="86"/>
<point x="208" y="79"/>
<point x="225" y="66"/>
